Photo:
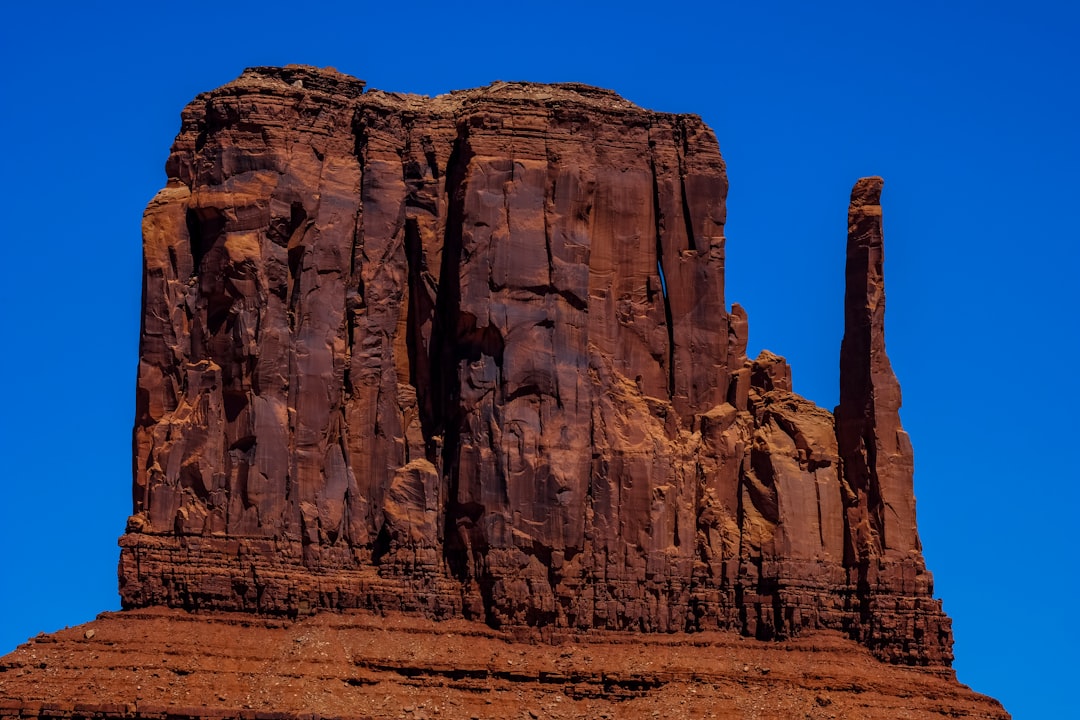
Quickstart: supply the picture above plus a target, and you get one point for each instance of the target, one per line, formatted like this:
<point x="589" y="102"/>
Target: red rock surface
<point x="164" y="664"/>
<point x="423" y="378"/>
<point x="469" y="357"/>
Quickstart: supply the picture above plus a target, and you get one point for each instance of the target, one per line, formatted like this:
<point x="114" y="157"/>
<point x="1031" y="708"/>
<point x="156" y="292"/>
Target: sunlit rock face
<point x="470" y="356"/>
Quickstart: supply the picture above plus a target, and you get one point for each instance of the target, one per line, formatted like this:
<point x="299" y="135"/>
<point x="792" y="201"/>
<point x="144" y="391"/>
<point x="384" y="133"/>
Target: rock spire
<point x="875" y="450"/>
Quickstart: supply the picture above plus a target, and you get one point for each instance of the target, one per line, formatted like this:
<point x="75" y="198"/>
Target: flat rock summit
<point x="441" y="412"/>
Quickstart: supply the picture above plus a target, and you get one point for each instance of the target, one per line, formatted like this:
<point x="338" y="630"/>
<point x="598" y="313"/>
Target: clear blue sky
<point x="968" y="109"/>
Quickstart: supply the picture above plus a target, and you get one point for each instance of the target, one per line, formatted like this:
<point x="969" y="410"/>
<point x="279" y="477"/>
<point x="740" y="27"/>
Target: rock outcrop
<point x="168" y="664"/>
<point x="469" y="356"/>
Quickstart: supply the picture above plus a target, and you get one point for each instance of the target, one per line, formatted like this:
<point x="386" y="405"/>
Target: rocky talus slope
<point x="466" y="363"/>
<point x="168" y="664"/>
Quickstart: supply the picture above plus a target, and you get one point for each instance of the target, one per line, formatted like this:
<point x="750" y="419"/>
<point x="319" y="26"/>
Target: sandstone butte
<point x="441" y="413"/>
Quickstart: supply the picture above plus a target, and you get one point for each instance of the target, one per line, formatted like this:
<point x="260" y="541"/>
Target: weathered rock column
<point x="902" y="620"/>
<point x="876" y="451"/>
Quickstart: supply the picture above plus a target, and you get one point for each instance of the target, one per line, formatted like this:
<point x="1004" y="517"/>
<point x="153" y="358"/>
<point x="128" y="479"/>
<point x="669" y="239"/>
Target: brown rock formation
<point x="430" y="361"/>
<point x="468" y="356"/>
<point x="165" y="664"/>
<point x="876" y="453"/>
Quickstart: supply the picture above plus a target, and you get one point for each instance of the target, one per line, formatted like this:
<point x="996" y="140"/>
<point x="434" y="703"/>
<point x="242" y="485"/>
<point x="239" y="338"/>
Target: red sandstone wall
<point x="470" y="355"/>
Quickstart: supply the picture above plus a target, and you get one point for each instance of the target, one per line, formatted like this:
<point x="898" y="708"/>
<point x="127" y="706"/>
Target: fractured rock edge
<point x="469" y="356"/>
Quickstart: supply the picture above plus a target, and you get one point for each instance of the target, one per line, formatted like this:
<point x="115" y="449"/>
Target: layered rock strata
<point x="469" y="356"/>
<point x="167" y="664"/>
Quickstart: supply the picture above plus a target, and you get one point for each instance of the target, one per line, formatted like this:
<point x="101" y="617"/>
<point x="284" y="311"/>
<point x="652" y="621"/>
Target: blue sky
<point x="969" y="110"/>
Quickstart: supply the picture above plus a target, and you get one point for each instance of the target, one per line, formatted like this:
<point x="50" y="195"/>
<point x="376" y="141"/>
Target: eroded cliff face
<point x="470" y="356"/>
